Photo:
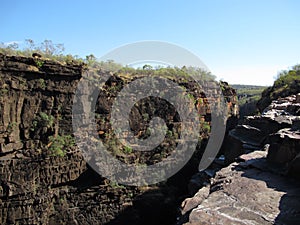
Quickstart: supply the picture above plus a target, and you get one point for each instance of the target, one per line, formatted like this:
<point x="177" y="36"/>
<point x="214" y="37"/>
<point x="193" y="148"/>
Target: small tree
<point x="147" y="67"/>
<point x="50" y="49"/>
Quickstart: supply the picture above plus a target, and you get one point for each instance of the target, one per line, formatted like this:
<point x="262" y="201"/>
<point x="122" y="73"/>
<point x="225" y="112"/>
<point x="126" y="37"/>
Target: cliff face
<point x="37" y="185"/>
<point x="30" y="90"/>
<point x="30" y="87"/>
<point x="43" y="176"/>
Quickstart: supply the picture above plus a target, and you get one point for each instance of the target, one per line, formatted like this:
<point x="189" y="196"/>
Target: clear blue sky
<point x="240" y="41"/>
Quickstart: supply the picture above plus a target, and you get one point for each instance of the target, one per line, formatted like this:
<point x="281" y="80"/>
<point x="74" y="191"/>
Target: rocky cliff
<point x="260" y="186"/>
<point x="39" y="183"/>
<point x="44" y="179"/>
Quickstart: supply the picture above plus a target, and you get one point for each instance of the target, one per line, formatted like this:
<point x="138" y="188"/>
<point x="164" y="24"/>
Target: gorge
<point x="44" y="178"/>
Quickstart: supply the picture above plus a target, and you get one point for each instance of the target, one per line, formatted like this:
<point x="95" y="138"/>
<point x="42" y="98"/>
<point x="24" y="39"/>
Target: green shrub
<point x="3" y="91"/>
<point x="42" y="120"/>
<point x="114" y="185"/>
<point x="39" y="63"/>
<point x="169" y="134"/>
<point x="58" y="144"/>
<point x="205" y="127"/>
<point x="127" y="149"/>
<point x="42" y="83"/>
<point x="11" y="126"/>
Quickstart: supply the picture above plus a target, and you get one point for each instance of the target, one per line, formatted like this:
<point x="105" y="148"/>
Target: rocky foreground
<point x="261" y="184"/>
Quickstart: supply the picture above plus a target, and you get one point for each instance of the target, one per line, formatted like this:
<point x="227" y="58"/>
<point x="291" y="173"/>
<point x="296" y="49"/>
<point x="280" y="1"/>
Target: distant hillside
<point x="248" y="96"/>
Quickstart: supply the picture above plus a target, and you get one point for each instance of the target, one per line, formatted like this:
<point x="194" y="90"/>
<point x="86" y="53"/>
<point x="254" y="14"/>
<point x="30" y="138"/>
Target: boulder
<point x="284" y="147"/>
<point x="242" y="139"/>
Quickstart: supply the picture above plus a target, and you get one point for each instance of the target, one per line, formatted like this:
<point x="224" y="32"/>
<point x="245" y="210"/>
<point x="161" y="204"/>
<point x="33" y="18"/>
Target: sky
<point x="240" y="41"/>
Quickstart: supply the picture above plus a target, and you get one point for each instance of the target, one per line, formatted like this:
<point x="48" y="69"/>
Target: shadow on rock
<point x="281" y="194"/>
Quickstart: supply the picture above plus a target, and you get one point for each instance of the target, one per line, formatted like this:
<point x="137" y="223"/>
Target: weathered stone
<point x="280" y="119"/>
<point x="255" y="188"/>
<point x="39" y="187"/>
<point x="190" y="203"/>
<point x="284" y="147"/>
<point x="247" y="194"/>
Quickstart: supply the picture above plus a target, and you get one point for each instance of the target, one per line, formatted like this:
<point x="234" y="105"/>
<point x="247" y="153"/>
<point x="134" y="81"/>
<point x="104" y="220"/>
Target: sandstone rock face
<point x="39" y="186"/>
<point x="247" y="192"/>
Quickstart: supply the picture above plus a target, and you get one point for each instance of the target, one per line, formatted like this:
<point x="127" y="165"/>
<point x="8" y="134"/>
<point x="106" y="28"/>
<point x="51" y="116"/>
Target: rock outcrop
<point x="287" y="84"/>
<point x="245" y="192"/>
<point x="260" y="185"/>
<point x="277" y="129"/>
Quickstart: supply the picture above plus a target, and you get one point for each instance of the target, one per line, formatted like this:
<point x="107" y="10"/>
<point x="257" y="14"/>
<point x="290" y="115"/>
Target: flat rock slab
<point x="249" y="193"/>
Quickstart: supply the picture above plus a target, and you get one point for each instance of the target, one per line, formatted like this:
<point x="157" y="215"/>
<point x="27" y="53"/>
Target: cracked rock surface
<point x="246" y="192"/>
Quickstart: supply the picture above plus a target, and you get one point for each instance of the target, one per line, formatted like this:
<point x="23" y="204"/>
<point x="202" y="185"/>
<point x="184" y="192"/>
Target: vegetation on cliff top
<point x="287" y="83"/>
<point x="49" y="50"/>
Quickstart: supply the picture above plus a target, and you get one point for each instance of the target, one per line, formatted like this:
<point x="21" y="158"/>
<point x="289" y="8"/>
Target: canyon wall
<point x="44" y="178"/>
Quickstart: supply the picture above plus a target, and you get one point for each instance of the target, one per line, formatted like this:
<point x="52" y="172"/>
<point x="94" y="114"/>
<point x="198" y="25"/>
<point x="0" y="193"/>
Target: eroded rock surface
<point x="44" y="184"/>
<point x="278" y="126"/>
<point x="246" y="192"/>
<point x="261" y="186"/>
